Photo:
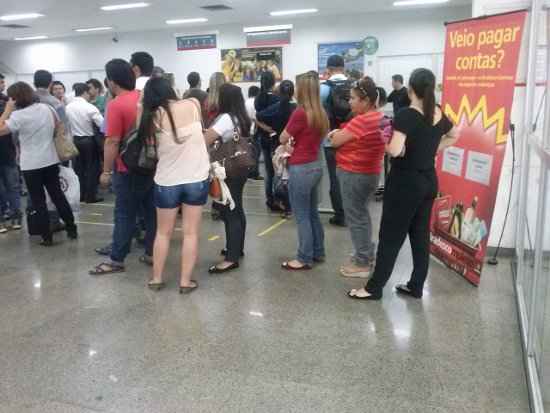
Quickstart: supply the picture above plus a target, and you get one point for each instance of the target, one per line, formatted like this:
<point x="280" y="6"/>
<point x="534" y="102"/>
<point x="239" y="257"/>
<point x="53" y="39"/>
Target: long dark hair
<point x="232" y="102"/>
<point x="267" y="81"/>
<point x="422" y="83"/>
<point x="157" y="94"/>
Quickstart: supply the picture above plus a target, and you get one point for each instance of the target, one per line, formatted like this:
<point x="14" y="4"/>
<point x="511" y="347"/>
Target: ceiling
<point x="62" y="16"/>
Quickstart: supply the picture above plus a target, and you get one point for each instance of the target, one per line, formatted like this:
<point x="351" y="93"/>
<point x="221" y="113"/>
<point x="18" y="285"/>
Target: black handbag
<point x="237" y="155"/>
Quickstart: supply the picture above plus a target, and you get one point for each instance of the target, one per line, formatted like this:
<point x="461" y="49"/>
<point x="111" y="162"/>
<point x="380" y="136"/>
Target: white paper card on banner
<point x="479" y="167"/>
<point x="453" y="159"/>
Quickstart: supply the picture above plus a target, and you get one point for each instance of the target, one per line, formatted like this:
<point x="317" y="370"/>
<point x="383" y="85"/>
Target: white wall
<point x="399" y="33"/>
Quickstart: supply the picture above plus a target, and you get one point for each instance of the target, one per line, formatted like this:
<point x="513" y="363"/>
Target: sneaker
<point x="353" y="271"/>
<point x="3" y="229"/>
<point x="16" y="222"/>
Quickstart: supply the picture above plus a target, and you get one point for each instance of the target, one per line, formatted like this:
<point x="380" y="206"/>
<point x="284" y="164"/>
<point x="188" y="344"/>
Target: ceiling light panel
<point x="292" y="12"/>
<point x="404" y="3"/>
<point x="93" y="29"/>
<point x="26" y="16"/>
<point x="187" y="21"/>
<point x="126" y="6"/>
<point x="31" y="38"/>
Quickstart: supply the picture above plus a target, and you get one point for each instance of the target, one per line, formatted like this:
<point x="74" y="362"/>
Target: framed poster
<point x="246" y="65"/>
<point x="352" y="52"/>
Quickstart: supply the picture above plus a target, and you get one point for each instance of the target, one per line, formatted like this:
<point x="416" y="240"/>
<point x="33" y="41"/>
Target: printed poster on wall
<point x="481" y="59"/>
<point x="352" y="52"/>
<point x="246" y="65"/>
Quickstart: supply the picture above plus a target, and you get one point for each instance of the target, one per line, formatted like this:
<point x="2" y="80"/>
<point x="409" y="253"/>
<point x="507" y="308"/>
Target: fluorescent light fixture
<point x="31" y="38"/>
<point x="267" y="28"/>
<point x="124" y="6"/>
<point x="187" y="21"/>
<point x="93" y="29"/>
<point x="256" y="314"/>
<point x="12" y="17"/>
<point x="292" y="12"/>
<point x="418" y="2"/>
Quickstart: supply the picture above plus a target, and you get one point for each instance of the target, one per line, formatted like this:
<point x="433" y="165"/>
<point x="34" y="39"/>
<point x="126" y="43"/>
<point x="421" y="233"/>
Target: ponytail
<point x="422" y="83"/>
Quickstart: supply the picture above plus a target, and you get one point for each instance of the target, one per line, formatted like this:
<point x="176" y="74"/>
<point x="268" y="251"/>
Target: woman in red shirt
<point x="360" y="150"/>
<point x="306" y="128"/>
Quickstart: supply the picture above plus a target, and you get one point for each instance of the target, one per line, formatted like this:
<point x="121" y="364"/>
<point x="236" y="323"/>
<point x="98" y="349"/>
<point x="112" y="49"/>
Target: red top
<point x="364" y="153"/>
<point x="307" y="140"/>
<point x="121" y="119"/>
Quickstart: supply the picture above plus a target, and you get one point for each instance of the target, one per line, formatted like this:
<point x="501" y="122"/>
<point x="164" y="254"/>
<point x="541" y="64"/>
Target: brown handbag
<point x="64" y="146"/>
<point x="237" y="155"/>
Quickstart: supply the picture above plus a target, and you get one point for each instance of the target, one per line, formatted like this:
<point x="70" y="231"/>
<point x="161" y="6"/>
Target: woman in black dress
<point x="420" y="131"/>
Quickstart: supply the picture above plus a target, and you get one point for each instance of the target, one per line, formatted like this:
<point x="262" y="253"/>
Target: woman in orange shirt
<point x="360" y="150"/>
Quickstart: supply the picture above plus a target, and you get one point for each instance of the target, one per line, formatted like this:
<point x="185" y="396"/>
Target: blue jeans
<point x="132" y="191"/>
<point x="10" y="189"/>
<point x="303" y="186"/>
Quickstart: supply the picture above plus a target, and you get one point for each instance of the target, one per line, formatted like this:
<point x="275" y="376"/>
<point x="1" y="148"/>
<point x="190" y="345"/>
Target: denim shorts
<point x="171" y="197"/>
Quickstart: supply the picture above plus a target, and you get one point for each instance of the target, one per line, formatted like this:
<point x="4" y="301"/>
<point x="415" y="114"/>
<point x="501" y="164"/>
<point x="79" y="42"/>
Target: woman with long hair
<point x="420" y="131"/>
<point x="266" y="135"/>
<point x="181" y="178"/>
<point x="232" y="116"/>
<point x="359" y="154"/>
<point x="212" y="102"/>
<point x="35" y="124"/>
<point x="306" y="128"/>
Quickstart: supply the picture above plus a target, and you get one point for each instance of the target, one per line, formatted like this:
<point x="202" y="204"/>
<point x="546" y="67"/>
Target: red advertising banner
<point x="481" y="59"/>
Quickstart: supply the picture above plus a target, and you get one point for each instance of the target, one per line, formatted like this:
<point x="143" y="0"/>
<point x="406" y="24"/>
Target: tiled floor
<point x="256" y="340"/>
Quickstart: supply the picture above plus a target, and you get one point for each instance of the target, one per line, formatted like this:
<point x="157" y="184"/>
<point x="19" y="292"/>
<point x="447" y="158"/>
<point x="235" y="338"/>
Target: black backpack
<point x="138" y="154"/>
<point x="338" y="108"/>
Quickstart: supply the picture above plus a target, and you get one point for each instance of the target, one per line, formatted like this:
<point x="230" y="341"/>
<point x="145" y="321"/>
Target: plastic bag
<point x="70" y="186"/>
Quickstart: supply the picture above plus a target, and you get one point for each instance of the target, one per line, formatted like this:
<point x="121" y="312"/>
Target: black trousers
<point x="268" y="149"/>
<point x="335" y="192"/>
<point x="86" y="166"/>
<point x="38" y="179"/>
<point x="408" y="201"/>
<point x="235" y="220"/>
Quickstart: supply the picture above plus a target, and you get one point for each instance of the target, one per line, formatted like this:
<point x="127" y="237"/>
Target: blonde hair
<point x="309" y="98"/>
<point x="216" y="80"/>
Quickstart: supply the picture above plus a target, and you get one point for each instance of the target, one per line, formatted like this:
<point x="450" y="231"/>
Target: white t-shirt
<point x="224" y="127"/>
<point x="35" y="125"/>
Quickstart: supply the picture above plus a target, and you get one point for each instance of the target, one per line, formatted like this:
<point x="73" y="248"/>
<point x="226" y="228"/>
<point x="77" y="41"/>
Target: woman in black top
<point x="265" y="99"/>
<point x="420" y="131"/>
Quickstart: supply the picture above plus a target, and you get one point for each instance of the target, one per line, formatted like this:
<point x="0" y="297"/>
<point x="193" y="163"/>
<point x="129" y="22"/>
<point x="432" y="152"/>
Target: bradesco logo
<point x="438" y="242"/>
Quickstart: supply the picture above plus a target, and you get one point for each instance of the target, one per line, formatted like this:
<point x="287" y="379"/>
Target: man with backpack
<point x="335" y="95"/>
<point x="131" y="189"/>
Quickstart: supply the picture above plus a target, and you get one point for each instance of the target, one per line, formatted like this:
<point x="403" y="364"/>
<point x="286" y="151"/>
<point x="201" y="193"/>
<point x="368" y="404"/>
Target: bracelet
<point x="107" y="173"/>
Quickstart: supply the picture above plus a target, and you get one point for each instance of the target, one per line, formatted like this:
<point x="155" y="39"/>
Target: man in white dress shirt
<point x="82" y="117"/>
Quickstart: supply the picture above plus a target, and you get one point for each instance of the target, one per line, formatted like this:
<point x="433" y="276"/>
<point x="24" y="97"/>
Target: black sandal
<point x="216" y="270"/>
<point x="190" y="289"/>
<point x="353" y="294"/>
<point x="286" y="265"/>
<point x="106" y="268"/>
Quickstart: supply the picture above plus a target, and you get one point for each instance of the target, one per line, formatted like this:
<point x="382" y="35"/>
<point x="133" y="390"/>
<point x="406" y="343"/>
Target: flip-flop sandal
<point x="353" y="294"/>
<point x="190" y="289"/>
<point x="359" y="274"/>
<point x="286" y="265"/>
<point x="215" y="270"/>
<point x="106" y="268"/>
<point x="156" y="286"/>
<point x="404" y="290"/>
<point x="147" y="260"/>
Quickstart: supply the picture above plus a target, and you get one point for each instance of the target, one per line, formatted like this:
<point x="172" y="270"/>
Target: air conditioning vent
<point x="14" y="26"/>
<point x="217" y="7"/>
